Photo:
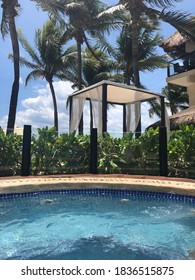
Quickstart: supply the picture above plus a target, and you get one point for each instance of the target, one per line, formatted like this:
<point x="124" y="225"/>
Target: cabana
<point x="106" y="92"/>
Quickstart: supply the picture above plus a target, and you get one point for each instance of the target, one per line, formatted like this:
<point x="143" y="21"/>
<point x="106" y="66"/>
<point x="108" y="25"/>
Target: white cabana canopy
<point x="105" y="92"/>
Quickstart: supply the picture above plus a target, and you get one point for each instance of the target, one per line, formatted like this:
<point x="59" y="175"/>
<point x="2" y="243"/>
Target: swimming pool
<point x="97" y="224"/>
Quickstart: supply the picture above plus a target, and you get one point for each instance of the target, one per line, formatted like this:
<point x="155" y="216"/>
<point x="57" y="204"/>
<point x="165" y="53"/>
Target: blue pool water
<point x="99" y="224"/>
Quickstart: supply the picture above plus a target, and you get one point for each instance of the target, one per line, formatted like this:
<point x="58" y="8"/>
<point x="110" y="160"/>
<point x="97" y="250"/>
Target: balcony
<point x="182" y="71"/>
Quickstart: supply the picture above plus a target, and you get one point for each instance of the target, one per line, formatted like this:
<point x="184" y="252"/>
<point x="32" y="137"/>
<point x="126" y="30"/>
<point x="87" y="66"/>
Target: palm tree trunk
<point x="135" y="50"/>
<point x="79" y="64"/>
<point x="54" y="104"/>
<point x="79" y="43"/>
<point x="134" y="7"/>
<point x="16" y="55"/>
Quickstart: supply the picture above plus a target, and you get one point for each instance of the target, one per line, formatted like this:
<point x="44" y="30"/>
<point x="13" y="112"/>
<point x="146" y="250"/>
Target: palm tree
<point x="154" y="10"/>
<point x="81" y="18"/>
<point x="10" y="11"/>
<point x="177" y="99"/>
<point x="97" y="68"/>
<point x="150" y="8"/>
<point x="149" y="60"/>
<point x="49" y="60"/>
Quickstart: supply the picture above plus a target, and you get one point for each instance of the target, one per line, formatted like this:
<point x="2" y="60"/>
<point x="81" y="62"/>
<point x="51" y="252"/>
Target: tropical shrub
<point x="53" y="154"/>
<point x="70" y="153"/>
<point x="129" y="154"/>
<point x="110" y="153"/>
<point x="10" y="154"/>
<point x="43" y="151"/>
<point x="181" y="152"/>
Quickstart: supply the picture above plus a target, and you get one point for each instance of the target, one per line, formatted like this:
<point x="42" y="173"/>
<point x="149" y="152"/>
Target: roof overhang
<point x="174" y="43"/>
<point x="117" y="93"/>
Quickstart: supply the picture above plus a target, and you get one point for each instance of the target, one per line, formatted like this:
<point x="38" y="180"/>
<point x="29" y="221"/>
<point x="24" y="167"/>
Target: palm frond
<point x="24" y="62"/>
<point x="4" y="25"/>
<point x="10" y="8"/>
<point x="69" y="57"/>
<point x="153" y="62"/>
<point x="162" y="3"/>
<point x="180" y="20"/>
<point x="104" y="45"/>
<point x="51" y="6"/>
<point x="155" y="108"/>
<point x="31" y="52"/>
<point x="34" y="75"/>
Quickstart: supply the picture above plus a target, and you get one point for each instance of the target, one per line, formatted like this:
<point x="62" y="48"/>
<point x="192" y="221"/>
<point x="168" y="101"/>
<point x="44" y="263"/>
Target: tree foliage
<point x="48" y="59"/>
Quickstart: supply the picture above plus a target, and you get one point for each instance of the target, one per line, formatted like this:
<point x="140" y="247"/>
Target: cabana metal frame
<point x="113" y="93"/>
<point x="107" y="92"/>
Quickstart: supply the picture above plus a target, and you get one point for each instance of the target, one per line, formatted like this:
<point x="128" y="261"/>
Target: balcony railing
<point x="181" y="65"/>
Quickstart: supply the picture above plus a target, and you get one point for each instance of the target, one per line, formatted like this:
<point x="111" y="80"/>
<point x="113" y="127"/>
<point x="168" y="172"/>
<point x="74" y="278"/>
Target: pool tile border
<point x="123" y="194"/>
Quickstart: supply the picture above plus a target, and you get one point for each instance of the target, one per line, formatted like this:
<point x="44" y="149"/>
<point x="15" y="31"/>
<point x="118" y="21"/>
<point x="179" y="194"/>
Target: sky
<point x="35" y="105"/>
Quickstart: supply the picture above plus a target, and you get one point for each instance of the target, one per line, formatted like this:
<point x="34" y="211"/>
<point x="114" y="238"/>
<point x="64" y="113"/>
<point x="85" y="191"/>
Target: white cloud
<point x="3" y="122"/>
<point x="21" y="81"/>
<point x="115" y="120"/>
<point x="38" y="111"/>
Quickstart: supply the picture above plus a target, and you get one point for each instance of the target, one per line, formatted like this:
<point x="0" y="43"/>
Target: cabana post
<point x="104" y="108"/>
<point x="124" y="119"/>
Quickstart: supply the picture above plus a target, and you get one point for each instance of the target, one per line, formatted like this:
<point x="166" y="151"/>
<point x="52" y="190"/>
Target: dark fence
<point x="45" y="152"/>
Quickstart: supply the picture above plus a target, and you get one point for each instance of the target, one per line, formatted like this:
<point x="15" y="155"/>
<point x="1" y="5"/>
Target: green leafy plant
<point x="70" y="153"/>
<point x="10" y="154"/>
<point x="109" y="154"/>
<point x="43" y="151"/>
<point x="181" y="152"/>
<point x="52" y="154"/>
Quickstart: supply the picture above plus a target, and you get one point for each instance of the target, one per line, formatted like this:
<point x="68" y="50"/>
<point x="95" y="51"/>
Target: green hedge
<point x="10" y="154"/>
<point x="69" y="153"/>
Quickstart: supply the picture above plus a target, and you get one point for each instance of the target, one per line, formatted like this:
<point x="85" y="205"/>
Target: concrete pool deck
<point x="142" y="183"/>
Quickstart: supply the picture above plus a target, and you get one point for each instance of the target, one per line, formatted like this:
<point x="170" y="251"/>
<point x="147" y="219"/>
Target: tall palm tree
<point x="153" y="9"/>
<point x="10" y="11"/>
<point x="49" y="60"/>
<point x="149" y="60"/>
<point x="81" y="18"/>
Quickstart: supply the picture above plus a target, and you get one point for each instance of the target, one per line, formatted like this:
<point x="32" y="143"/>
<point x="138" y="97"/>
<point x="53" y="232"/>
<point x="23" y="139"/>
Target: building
<point x="181" y="70"/>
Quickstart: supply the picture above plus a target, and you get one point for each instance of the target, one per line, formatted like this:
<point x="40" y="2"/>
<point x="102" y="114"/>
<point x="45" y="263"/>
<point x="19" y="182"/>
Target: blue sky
<point x="35" y="104"/>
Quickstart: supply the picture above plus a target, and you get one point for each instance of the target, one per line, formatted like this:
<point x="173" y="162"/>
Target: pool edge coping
<point x="139" y="183"/>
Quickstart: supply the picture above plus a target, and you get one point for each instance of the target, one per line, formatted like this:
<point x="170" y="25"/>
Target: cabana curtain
<point x="96" y="102"/>
<point x="133" y="114"/>
<point x="76" y="113"/>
